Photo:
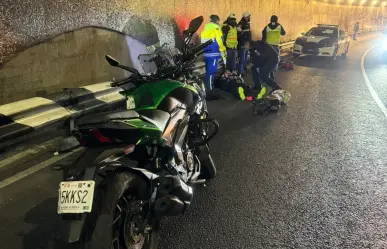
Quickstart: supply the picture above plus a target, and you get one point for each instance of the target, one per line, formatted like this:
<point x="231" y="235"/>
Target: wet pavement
<point x="313" y="175"/>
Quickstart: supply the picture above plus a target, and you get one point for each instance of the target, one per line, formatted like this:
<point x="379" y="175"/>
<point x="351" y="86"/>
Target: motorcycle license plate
<point x="130" y="104"/>
<point x="75" y="197"/>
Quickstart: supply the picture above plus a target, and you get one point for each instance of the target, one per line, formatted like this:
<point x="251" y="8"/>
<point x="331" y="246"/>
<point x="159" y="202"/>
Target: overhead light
<point x="363" y="1"/>
<point x="384" y="3"/>
<point x="374" y="2"/>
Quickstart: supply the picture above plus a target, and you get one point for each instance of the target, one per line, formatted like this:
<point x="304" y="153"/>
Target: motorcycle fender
<point x="73" y="228"/>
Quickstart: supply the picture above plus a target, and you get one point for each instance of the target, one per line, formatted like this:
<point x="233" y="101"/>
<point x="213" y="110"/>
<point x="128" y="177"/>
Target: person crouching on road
<point x="244" y="37"/>
<point x="230" y="34"/>
<point x="264" y="60"/>
<point x="212" y="53"/>
<point x="271" y="34"/>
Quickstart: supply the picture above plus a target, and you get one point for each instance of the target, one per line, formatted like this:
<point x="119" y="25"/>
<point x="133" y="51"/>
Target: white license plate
<point x="75" y="197"/>
<point x="130" y="104"/>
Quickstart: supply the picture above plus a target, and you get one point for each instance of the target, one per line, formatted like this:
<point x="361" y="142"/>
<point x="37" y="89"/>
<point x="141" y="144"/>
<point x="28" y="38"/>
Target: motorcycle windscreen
<point x="161" y="60"/>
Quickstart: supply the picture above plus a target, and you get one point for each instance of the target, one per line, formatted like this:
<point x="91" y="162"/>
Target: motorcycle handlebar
<point x="201" y="47"/>
<point x="132" y="78"/>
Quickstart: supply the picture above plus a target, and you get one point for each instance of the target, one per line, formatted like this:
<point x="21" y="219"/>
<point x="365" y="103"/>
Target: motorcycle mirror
<point x="194" y="25"/>
<point x="113" y="62"/>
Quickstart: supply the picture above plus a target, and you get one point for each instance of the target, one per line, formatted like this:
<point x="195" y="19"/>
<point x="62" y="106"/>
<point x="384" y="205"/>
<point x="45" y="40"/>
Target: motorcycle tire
<point x="98" y="233"/>
<point x="208" y="169"/>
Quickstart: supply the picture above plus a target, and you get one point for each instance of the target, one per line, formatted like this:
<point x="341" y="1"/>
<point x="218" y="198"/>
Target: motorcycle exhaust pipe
<point x="173" y="185"/>
<point x="169" y="205"/>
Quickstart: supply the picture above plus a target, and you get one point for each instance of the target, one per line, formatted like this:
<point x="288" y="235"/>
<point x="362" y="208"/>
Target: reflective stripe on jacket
<point x="232" y="37"/>
<point x="273" y="36"/>
<point x="212" y="32"/>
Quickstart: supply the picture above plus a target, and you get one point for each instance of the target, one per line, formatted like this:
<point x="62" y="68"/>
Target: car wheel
<point x="346" y="51"/>
<point x="334" y="56"/>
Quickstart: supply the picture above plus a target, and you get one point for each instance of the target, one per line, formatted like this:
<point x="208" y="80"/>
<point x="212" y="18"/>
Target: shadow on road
<point x="45" y="222"/>
<point x="321" y="63"/>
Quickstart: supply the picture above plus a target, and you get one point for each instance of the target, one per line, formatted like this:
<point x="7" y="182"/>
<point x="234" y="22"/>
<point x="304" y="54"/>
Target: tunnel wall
<point x="45" y="47"/>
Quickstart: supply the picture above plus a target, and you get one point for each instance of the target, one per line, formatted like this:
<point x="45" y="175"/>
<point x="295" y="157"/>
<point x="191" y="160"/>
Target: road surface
<point x="312" y="176"/>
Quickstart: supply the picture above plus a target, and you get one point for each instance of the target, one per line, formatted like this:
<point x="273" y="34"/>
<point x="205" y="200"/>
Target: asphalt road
<point x="313" y="175"/>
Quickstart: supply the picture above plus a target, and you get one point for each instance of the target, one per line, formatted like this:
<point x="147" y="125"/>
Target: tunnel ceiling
<point x="375" y="3"/>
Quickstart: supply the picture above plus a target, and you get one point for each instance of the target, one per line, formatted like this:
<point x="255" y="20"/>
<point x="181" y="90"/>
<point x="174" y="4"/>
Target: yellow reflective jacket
<point x="232" y="37"/>
<point x="212" y="32"/>
<point x="273" y="36"/>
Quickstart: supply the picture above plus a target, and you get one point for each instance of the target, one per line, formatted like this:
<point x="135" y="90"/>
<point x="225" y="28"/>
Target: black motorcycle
<point x="140" y="164"/>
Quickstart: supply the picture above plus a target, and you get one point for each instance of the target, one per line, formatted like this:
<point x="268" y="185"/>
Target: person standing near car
<point x="244" y="37"/>
<point x="355" y="30"/>
<point x="212" y="53"/>
<point x="230" y="34"/>
<point x="271" y="34"/>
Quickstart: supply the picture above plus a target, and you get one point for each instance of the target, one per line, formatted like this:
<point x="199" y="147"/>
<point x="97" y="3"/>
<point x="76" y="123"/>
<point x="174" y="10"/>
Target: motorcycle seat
<point x="157" y="117"/>
<point x="105" y="117"/>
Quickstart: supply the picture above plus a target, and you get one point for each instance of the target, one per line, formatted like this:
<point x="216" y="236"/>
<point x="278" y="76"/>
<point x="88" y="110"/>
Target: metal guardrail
<point x="20" y="119"/>
<point x="288" y="46"/>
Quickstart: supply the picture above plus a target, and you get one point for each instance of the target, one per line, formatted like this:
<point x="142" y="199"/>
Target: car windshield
<point x="161" y="59"/>
<point x="323" y="31"/>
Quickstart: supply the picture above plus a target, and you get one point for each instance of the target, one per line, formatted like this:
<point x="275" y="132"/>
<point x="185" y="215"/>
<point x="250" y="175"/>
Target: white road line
<point x="368" y="83"/>
<point x="30" y="152"/>
<point x="34" y="169"/>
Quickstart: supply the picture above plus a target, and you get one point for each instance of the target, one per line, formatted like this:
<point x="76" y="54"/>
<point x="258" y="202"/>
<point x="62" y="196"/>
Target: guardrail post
<point x="71" y="124"/>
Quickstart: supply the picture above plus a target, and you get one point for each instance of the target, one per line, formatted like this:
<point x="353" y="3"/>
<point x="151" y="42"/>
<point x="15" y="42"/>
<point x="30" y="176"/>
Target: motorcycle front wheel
<point x="113" y="222"/>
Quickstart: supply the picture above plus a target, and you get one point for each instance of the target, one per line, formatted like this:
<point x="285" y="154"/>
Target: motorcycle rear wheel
<point x="112" y="225"/>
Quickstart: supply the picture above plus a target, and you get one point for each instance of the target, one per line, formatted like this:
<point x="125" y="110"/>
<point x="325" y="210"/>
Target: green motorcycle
<point x="140" y="164"/>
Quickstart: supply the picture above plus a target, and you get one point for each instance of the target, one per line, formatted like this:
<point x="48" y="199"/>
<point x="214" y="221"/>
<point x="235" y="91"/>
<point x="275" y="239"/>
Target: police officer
<point x="212" y="53"/>
<point x="230" y="34"/>
<point x="271" y="34"/>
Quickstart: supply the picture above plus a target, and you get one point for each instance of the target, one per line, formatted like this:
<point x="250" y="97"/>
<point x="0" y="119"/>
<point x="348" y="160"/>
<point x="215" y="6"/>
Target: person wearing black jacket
<point x="264" y="59"/>
<point x="244" y="37"/>
<point x="271" y="34"/>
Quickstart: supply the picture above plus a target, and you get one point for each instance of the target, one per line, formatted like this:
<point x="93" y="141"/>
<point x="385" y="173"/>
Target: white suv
<point x="324" y="40"/>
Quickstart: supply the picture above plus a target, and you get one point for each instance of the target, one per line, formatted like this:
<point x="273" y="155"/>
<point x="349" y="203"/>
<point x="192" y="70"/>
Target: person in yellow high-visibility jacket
<point x="230" y="33"/>
<point x="271" y="34"/>
<point x="213" y="52"/>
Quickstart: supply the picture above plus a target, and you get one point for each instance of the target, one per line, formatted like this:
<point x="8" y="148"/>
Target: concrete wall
<point x="76" y="58"/>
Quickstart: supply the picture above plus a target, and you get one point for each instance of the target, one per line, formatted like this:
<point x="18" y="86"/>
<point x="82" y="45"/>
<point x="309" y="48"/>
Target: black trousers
<point x="263" y="74"/>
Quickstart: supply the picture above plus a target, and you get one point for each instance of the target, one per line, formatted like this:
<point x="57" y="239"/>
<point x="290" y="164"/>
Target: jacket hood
<point x="273" y="26"/>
